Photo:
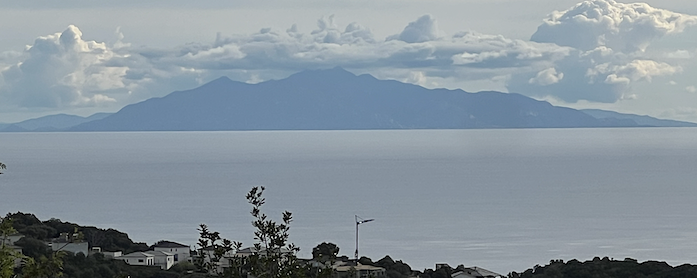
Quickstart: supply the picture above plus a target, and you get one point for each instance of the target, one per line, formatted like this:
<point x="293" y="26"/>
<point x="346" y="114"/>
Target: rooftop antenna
<point x="359" y="221"/>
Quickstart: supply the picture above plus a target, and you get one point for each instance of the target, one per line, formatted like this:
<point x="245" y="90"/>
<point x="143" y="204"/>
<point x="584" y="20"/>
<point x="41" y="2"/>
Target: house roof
<point x="359" y="267"/>
<point x="478" y="272"/>
<point x="159" y="253"/>
<point x="169" y="244"/>
<point x="136" y="255"/>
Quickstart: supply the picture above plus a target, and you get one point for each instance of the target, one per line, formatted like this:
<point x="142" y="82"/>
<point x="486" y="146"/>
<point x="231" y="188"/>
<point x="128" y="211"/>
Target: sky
<point x="84" y="56"/>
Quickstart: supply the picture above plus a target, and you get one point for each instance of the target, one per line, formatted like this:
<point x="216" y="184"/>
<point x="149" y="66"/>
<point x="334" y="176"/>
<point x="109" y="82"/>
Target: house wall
<point x="181" y="254"/>
<point x="163" y="260"/>
<point x="138" y="260"/>
<point x="112" y="255"/>
<point x="80" y="247"/>
<point x="13" y="238"/>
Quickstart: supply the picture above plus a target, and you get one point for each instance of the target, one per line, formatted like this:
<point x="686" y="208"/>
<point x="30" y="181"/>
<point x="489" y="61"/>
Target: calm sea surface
<point x="499" y="199"/>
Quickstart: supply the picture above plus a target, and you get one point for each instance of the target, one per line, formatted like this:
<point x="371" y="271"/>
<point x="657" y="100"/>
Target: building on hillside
<point x="164" y="260"/>
<point x="475" y="272"/>
<point x="11" y="239"/>
<point x="73" y="247"/>
<point x="107" y="254"/>
<point x="138" y="258"/>
<point x="161" y="259"/>
<point x="73" y="243"/>
<point x="351" y="270"/>
<point x="182" y="253"/>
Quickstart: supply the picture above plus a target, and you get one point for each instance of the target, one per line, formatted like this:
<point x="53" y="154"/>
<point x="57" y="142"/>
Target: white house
<point x="149" y="258"/>
<point x="138" y="258"/>
<point x="182" y="253"/>
<point x="162" y="259"/>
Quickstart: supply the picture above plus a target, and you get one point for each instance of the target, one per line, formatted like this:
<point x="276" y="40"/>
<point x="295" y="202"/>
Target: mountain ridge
<point x="334" y="99"/>
<point x="641" y="120"/>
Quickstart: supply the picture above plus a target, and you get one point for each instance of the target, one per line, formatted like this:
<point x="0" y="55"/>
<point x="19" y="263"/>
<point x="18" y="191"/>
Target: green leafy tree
<point x="325" y="252"/>
<point x="6" y="228"/>
<point x="273" y="256"/>
<point x="44" y="267"/>
<point x="276" y="257"/>
<point x="213" y="251"/>
<point x="7" y="255"/>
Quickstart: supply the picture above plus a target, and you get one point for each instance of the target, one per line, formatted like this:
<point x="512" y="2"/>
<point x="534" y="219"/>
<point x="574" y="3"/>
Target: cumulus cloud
<point x="600" y="75"/>
<point x="622" y="27"/>
<point x="609" y="40"/>
<point x="422" y="30"/>
<point x="61" y="70"/>
<point x="591" y="52"/>
<point x="547" y="77"/>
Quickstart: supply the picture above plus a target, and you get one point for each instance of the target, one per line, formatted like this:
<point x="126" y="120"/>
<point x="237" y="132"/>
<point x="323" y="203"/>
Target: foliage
<point x="108" y="239"/>
<point x="443" y="272"/>
<point x="607" y="268"/>
<point x="278" y="258"/>
<point x="34" y="248"/>
<point x="325" y="252"/>
<point x="213" y="250"/>
<point x="2" y="167"/>
<point x="272" y="257"/>
<point x="43" y="266"/>
<point x="6" y="228"/>
<point x="394" y="269"/>
<point x="7" y="261"/>
<point x="7" y="255"/>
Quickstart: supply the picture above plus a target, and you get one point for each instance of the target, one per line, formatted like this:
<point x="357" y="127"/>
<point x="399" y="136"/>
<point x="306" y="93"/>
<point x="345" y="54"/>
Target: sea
<point x="501" y="199"/>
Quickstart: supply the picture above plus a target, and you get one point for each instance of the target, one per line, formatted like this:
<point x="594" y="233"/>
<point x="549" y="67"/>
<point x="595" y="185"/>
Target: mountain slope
<point x="639" y="120"/>
<point x="335" y="99"/>
<point x="51" y="122"/>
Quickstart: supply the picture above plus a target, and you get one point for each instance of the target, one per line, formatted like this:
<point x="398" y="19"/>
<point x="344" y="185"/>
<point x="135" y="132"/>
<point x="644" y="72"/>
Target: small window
<point x="140" y="260"/>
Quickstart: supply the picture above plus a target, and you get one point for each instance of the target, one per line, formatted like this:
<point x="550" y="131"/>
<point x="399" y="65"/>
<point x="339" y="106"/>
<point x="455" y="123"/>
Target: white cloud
<point x="63" y="70"/>
<point x="638" y="70"/>
<point x="683" y="112"/>
<point x="691" y="89"/>
<point x="547" y="77"/>
<point x="622" y="27"/>
<point x="608" y="60"/>
<point x="422" y="30"/>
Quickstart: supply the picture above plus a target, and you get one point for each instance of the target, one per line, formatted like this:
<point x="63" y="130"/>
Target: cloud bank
<point x="596" y="51"/>
<point x="622" y="27"/>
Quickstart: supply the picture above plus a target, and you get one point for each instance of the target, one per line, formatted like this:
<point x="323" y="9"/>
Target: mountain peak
<point x="333" y="73"/>
<point x="220" y="82"/>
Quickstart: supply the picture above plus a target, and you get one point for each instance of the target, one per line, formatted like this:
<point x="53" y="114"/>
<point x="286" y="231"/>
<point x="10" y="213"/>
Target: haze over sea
<point x="499" y="199"/>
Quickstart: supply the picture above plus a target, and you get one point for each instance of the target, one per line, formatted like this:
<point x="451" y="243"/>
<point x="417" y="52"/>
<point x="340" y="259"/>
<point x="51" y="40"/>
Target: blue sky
<point x="81" y="57"/>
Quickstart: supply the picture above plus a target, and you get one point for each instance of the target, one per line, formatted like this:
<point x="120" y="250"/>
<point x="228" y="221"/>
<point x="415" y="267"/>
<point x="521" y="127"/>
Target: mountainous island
<point x="335" y="99"/>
